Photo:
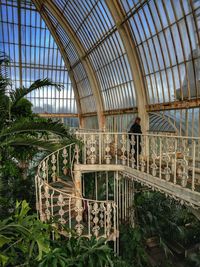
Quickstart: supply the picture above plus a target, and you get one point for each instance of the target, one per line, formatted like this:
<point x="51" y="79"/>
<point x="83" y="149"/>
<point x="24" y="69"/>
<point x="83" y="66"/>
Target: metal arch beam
<point x="165" y="118"/>
<point x="124" y="32"/>
<point x="19" y="42"/>
<point x="63" y="54"/>
<point x="83" y="57"/>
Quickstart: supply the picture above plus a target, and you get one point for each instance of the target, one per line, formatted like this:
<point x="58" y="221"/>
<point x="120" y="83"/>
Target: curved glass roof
<point x="95" y="29"/>
<point x="82" y="44"/>
<point x="166" y="34"/>
<point x="34" y="55"/>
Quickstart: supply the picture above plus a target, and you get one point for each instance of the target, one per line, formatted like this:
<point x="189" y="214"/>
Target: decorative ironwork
<point x="123" y="141"/>
<point x="167" y="159"/>
<point x="53" y="161"/>
<point x="132" y="144"/>
<point x="79" y="210"/>
<point x="95" y="212"/>
<point x="91" y="149"/>
<point x="142" y="157"/>
<point x="65" y="161"/>
<point x="154" y="166"/>
<point x="108" y="141"/>
<point x="61" y="203"/>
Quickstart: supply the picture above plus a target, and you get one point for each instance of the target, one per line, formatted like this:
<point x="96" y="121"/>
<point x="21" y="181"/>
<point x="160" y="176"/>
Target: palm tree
<point x="24" y="131"/>
<point x="22" y="137"/>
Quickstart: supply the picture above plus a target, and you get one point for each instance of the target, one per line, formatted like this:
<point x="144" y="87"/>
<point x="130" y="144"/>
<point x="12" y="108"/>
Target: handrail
<point x="54" y="152"/>
<point x="86" y="216"/>
<point x="127" y="133"/>
<point x="167" y="162"/>
<point x="169" y="158"/>
<point x="77" y="197"/>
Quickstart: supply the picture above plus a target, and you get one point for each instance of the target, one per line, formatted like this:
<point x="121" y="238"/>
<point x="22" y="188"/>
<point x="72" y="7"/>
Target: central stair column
<point x="79" y="209"/>
<point x="77" y="183"/>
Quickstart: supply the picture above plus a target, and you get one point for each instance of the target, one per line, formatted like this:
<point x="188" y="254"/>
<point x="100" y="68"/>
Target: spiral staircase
<point x="59" y="198"/>
<point x="168" y="164"/>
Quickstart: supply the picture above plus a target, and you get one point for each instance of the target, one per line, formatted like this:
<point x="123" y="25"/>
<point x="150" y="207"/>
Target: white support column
<point x="57" y="40"/>
<point x="132" y="200"/>
<point x="124" y="32"/>
<point x="78" y="183"/>
<point x="95" y="86"/>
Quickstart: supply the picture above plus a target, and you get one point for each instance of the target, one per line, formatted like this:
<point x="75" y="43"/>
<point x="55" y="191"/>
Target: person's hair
<point x="137" y="119"/>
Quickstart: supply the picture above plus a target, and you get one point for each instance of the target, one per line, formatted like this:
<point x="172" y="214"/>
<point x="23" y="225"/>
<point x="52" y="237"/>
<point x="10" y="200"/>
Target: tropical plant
<point x="172" y="224"/>
<point x="194" y="260"/>
<point x="132" y="248"/>
<point x="166" y="218"/>
<point x="26" y="241"/>
<point x="18" y="126"/>
<point x="22" y="136"/>
<point x="23" y="238"/>
<point x="80" y="252"/>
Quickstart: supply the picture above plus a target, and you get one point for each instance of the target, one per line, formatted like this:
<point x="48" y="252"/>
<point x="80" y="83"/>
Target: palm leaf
<point x="31" y="142"/>
<point x="4" y="59"/>
<point x="41" y="126"/>
<point x="19" y="93"/>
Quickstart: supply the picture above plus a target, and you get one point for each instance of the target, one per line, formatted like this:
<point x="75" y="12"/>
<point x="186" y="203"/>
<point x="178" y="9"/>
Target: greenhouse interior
<point x="100" y="133"/>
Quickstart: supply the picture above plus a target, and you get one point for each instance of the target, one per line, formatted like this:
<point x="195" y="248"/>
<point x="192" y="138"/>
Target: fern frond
<point x="40" y="126"/>
<point x="19" y="93"/>
<point x="31" y="142"/>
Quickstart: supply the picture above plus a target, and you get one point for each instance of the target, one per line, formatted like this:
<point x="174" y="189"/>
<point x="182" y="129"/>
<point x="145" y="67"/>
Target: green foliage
<point x="22" y="136"/>
<point x="132" y="247"/>
<point x="166" y="218"/>
<point x="19" y="93"/>
<point x="22" y="109"/>
<point x="23" y="238"/>
<point x="80" y="252"/>
<point x="194" y="260"/>
<point x="26" y="241"/>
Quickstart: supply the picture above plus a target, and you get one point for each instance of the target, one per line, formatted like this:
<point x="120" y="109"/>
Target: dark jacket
<point x="136" y="129"/>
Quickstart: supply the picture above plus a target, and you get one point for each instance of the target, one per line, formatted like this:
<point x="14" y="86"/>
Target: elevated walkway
<point x="168" y="164"/>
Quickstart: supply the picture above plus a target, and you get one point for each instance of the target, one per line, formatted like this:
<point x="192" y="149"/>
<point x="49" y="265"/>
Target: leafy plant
<point x="23" y="135"/>
<point x="80" y="252"/>
<point x="23" y="238"/>
<point x="194" y="260"/>
<point x="172" y="224"/>
<point x="26" y="241"/>
<point x="166" y="217"/>
<point x="132" y="247"/>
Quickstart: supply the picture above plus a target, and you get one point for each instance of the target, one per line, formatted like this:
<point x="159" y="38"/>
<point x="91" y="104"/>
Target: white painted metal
<point x="65" y="205"/>
<point x="169" y="164"/>
<point x="172" y="159"/>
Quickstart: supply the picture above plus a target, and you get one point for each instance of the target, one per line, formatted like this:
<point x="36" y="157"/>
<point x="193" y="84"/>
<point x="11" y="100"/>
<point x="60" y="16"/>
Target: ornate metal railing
<point x="60" y="202"/>
<point x="174" y="159"/>
<point x="170" y="164"/>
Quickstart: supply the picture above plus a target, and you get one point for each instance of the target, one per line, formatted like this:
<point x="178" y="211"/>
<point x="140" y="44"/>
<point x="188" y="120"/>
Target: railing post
<point x="36" y="194"/>
<point x="100" y="148"/>
<point x="77" y="183"/>
<point x="175" y="159"/>
<point x="147" y="152"/>
<point x="193" y="163"/>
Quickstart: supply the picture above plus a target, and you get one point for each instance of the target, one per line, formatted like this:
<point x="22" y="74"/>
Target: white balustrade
<point x="84" y="216"/>
<point x="175" y="159"/>
<point x="169" y="164"/>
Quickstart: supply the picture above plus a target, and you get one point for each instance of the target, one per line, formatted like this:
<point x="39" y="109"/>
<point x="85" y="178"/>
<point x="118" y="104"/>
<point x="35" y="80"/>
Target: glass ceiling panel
<point x="112" y="67"/>
<point x="90" y="19"/>
<point x="186" y="121"/>
<point x="166" y="34"/>
<point x="83" y="85"/>
<point x="96" y="30"/>
<point x="34" y="55"/>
